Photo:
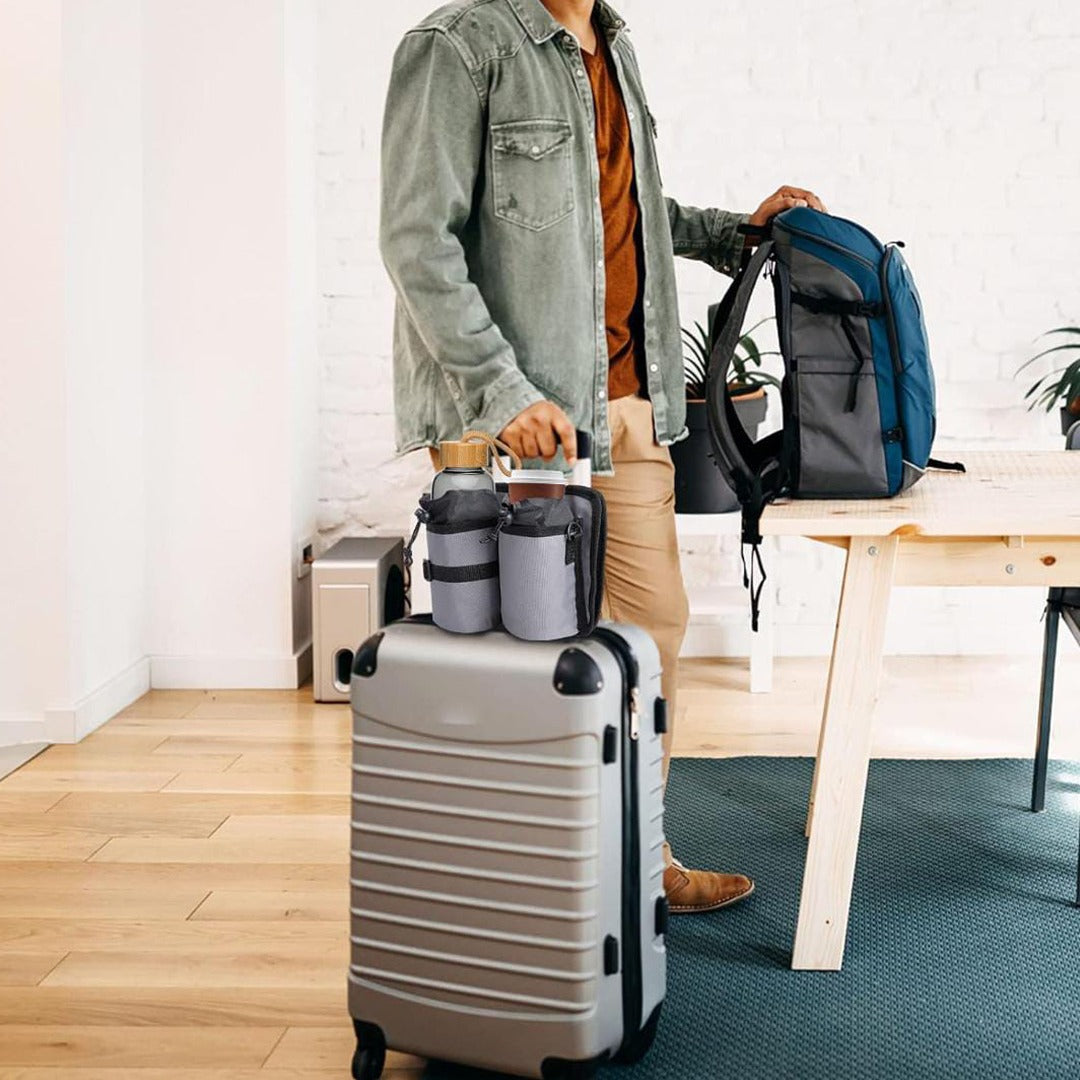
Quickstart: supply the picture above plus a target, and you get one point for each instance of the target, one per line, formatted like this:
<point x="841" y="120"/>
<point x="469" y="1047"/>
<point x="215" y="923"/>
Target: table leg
<point x="844" y="754"/>
<point x="821" y="732"/>
<point x="817" y="756"/>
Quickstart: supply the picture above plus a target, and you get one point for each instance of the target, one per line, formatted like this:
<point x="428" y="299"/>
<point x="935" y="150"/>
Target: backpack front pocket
<point x="532" y="179"/>
<point x="840" y="446"/>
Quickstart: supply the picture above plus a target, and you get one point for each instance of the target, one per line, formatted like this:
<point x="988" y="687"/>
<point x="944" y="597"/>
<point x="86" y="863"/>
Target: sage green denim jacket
<point x="492" y="233"/>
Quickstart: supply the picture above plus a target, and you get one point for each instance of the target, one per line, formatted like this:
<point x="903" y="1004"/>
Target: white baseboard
<point x="231" y="672"/>
<point x="69" y="725"/>
<point x="16" y="730"/>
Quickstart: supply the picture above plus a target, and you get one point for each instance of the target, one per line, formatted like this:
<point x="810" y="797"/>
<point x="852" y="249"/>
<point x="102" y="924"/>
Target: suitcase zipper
<point x="635" y="712"/>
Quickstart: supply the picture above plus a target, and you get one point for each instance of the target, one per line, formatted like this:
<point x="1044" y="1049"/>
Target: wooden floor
<point x="173" y="890"/>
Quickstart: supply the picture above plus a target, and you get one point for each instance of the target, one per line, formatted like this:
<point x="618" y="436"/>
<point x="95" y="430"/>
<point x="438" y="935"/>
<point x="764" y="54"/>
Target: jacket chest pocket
<point x="532" y="176"/>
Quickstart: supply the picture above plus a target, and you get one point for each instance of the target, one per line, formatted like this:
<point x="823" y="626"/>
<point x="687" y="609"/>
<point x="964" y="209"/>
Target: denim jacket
<point x="492" y="233"/>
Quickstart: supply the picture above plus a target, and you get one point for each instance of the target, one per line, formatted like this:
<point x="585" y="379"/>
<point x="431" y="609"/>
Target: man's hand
<point x="537" y="431"/>
<point x="783" y="199"/>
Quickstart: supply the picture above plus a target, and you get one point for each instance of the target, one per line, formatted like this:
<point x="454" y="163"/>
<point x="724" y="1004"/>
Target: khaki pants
<point x="643" y="578"/>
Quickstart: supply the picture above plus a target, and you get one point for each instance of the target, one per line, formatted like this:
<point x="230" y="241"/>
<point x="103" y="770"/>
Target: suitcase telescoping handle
<point x="582" y="471"/>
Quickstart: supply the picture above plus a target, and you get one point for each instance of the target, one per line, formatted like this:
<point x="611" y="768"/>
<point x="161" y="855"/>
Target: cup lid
<point x="537" y="476"/>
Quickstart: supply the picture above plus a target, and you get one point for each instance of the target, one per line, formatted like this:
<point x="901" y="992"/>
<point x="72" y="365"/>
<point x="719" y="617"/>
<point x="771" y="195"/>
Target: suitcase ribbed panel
<point x="437" y="829"/>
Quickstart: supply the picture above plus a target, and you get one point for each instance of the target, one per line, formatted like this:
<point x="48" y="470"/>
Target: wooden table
<point x="1012" y="519"/>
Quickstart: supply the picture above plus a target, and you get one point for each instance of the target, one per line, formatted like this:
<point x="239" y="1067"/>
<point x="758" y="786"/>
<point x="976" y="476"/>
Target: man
<point x="530" y="244"/>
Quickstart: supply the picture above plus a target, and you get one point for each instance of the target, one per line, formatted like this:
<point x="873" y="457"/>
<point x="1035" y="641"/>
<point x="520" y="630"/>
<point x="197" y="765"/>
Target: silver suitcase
<point x="507" y="901"/>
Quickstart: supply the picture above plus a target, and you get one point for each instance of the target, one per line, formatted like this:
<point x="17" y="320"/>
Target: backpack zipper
<point x="890" y="319"/>
<point x="839" y="248"/>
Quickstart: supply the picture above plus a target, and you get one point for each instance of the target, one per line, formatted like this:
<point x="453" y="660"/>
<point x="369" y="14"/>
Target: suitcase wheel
<point x="367" y="1063"/>
<point x="370" y="1055"/>
<point x="570" y="1070"/>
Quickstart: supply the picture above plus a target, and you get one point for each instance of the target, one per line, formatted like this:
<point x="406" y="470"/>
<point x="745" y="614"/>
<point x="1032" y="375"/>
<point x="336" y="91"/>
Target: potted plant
<point x="700" y="487"/>
<point x="1063" y="383"/>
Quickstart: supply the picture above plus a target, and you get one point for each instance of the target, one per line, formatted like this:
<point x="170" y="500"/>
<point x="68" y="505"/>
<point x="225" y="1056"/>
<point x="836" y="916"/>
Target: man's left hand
<point x="783" y="199"/>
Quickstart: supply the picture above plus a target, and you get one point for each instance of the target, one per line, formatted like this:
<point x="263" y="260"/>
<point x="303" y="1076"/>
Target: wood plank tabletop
<point x="1003" y="493"/>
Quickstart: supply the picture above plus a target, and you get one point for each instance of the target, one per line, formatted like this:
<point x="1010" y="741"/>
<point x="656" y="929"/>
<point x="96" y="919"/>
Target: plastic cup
<point x="536" y="484"/>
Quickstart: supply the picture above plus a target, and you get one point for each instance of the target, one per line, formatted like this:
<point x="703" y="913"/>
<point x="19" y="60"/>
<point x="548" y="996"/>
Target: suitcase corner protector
<point x="366" y="659"/>
<point x="577" y="673"/>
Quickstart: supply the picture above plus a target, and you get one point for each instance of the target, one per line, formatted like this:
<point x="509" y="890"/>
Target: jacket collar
<point x="540" y="26"/>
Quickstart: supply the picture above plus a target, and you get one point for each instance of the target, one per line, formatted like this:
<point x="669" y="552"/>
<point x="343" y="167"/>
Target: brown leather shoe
<point x="694" y="891"/>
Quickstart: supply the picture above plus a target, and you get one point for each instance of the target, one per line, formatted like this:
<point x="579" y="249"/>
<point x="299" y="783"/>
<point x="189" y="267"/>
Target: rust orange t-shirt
<point x="622" y="228"/>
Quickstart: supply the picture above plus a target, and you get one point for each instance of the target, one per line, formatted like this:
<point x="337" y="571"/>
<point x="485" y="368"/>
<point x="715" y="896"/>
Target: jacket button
<point x="535" y="151"/>
<point x="654" y="367"/>
<point x="601" y="394"/>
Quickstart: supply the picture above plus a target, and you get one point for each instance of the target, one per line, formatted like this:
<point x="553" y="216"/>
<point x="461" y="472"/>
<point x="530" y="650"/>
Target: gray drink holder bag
<point x="462" y="564"/>
<point x="551" y="565"/>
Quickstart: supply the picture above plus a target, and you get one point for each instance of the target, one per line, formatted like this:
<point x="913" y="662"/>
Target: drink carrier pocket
<point x="551" y="565"/>
<point x="462" y="564"/>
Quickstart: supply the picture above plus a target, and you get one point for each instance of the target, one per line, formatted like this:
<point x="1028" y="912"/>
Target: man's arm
<point x="712" y="235"/>
<point x="433" y="137"/>
<point x="707" y="235"/>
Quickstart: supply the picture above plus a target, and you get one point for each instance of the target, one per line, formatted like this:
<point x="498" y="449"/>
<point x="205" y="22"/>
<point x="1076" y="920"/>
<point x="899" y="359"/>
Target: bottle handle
<point x="495" y="446"/>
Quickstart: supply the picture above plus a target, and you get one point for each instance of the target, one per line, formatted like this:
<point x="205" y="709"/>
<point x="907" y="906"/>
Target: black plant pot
<point x="700" y="487"/>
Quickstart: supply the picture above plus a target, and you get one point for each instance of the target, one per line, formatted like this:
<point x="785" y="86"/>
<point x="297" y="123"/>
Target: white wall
<point x="950" y="125"/>
<point x="72" y="547"/>
<point x="103" y="303"/>
<point x="33" y="540"/>
<point x="158" y="420"/>
<point x="229" y="241"/>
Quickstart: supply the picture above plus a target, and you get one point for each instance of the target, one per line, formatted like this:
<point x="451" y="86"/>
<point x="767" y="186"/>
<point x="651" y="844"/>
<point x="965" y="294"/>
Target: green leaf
<point x="761" y="322"/>
<point x="752" y="351"/>
<point x="695" y="346"/>
<point x="762" y="378"/>
<point x="1069" y="347"/>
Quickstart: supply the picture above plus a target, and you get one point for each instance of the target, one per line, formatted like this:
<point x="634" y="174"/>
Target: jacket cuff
<point x="509" y="396"/>
<point x="725" y="242"/>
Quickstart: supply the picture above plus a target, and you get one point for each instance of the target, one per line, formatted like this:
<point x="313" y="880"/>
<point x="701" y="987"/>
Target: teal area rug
<point x="963" y="953"/>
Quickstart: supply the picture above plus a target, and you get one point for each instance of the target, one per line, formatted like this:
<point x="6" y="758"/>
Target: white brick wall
<point x="948" y="123"/>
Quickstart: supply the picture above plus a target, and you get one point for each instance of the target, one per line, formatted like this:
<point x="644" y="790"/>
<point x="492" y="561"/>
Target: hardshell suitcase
<point x="507" y="900"/>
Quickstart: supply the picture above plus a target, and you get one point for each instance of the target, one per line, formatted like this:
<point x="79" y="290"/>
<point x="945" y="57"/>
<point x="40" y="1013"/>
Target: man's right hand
<point x="538" y="430"/>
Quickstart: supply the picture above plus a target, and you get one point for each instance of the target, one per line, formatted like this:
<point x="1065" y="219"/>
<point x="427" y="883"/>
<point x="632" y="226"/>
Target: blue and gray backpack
<point x="858" y="388"/>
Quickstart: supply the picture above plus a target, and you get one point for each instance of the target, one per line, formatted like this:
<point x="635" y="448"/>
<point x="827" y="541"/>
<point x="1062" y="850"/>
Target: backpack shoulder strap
<point x="751" y="468"/>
